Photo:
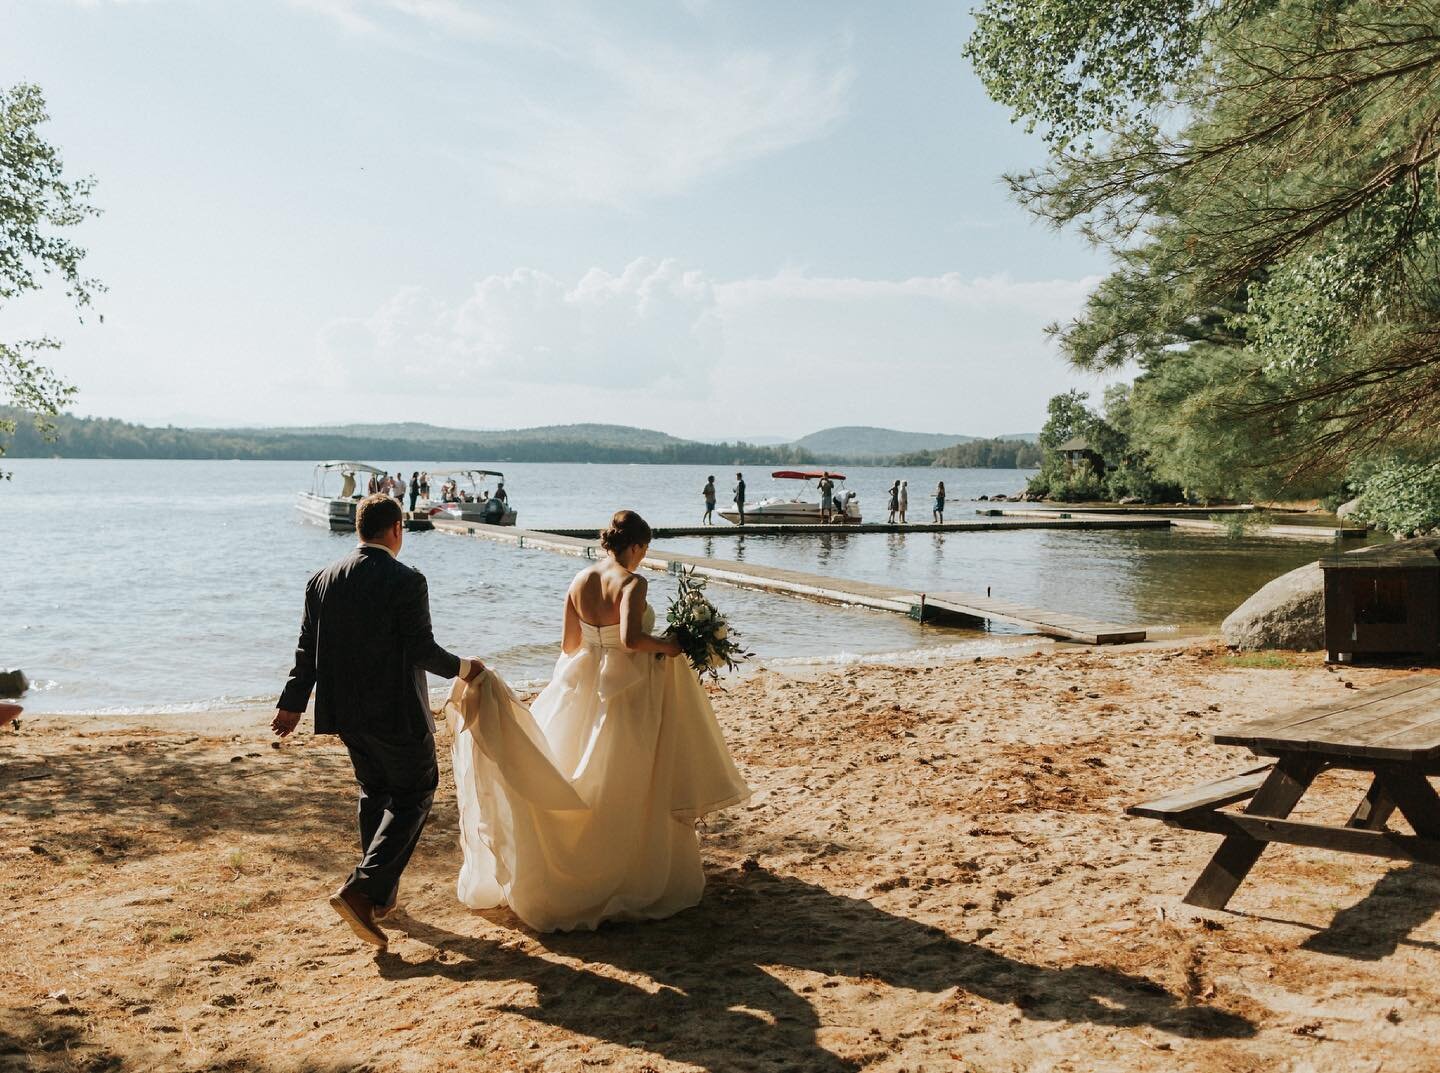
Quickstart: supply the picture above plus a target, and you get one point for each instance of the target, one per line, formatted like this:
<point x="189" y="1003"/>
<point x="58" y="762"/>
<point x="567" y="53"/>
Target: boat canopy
<point x="353" y="467"/>
<point x="807" y="474"/>
<point x="466" y="471"/>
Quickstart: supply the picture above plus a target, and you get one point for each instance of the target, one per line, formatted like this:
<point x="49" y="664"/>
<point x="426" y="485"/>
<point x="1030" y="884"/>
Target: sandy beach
<point x="935" y="873"/>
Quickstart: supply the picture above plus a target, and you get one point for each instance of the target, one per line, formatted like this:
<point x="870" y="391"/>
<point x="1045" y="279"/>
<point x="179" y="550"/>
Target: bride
<point x="582" y="808"/>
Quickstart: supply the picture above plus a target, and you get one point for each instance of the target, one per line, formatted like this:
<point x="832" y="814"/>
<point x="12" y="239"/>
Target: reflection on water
<point x="170" y="584"/>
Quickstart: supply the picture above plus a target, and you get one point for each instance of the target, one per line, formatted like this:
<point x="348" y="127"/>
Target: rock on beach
<point x="1289" y="612"/>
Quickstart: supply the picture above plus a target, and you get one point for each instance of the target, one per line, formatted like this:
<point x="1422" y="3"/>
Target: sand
<point x="935" y="874"/>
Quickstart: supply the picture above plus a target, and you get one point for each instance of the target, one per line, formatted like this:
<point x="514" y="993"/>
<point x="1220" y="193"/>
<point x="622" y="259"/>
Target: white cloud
<point x="785" y="353"/>
<point x="661" y="120"/>
<point x="583" y="111"/>
<point x="653" y="324"/>
<point x="390" y="19"/>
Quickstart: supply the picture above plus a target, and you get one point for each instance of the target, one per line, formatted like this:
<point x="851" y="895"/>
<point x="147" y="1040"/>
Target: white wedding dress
<point x="582" y="808"/>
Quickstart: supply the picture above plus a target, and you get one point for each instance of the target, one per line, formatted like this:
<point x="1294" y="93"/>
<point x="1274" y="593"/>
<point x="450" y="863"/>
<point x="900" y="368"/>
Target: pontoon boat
<point x="336" y="511"/>
<point x="795" y="510"/>
<point x="471" y="499"/>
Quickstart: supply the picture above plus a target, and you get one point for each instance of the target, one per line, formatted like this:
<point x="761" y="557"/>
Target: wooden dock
<point x="1175" y="520"/>
<point x="921" y="606"/>
<point x="1037" y="520"/>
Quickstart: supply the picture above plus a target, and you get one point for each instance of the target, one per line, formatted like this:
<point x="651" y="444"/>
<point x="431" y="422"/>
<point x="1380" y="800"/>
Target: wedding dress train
<point x="582" y="808"/>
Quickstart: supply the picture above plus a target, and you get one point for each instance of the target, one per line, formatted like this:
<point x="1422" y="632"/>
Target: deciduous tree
<point x="38" y="206"/>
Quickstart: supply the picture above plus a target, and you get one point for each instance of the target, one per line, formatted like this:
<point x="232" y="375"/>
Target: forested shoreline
<point x="86" y="437"/>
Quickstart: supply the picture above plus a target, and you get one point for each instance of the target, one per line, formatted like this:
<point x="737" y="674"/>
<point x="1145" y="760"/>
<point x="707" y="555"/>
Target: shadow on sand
<point x="716" y="1004"/>
<point x="1402" y="900"/>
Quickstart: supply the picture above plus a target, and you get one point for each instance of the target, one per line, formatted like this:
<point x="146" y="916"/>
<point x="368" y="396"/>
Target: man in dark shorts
<point x="709" y="493"/>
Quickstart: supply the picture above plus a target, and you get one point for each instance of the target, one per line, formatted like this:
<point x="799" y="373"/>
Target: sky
<point x="715" y="219"/>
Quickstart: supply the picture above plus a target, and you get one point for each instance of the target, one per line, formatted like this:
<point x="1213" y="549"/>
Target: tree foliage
<point x="1075" y="67"/>
<point x="977" y="454"/>
<point x="1124" y="471"/>
<point x="38" y="206"/>
<point x="1265" y="175"/>
<point x="1403" y="497"/>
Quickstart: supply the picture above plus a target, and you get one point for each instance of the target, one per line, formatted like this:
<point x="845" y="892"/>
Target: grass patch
<point x="1268" y="661"/>
<point x="178" y="935"/>
<point x="236" y="860"/>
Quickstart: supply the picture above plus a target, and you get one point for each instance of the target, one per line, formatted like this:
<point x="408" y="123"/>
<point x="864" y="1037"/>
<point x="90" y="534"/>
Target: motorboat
<point x="470" y="500"/>
<point x="336" y="511"/>
<point x="802" y="508"/>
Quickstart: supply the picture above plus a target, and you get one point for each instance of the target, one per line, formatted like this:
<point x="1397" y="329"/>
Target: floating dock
<point x="1005" y="520"/>
<point x="1174" y="519"/>
<point x="921" y="606"/>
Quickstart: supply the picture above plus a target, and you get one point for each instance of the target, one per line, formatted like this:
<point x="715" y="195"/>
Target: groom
<point x="365" y="645"/>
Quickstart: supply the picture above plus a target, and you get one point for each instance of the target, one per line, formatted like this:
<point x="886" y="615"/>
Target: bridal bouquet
<point x="703" y="631"/>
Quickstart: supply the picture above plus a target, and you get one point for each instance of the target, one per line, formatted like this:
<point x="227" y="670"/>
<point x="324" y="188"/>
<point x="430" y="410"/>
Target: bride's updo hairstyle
<point x="625" y="531"/>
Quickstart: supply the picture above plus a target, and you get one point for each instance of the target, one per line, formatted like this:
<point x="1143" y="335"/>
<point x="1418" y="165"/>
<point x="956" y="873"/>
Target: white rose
<point x="722" y="633"/>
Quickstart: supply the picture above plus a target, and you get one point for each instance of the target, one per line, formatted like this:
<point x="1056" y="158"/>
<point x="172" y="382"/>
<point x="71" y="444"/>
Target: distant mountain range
<point x="417" y="432"/>
<point x="107" y="438"/>
<point x="845" y="443"/>
<point x="864" y="441"/>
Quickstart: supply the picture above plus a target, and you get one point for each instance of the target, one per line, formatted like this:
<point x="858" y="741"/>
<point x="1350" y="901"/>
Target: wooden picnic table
<point x="1391" y="731"/>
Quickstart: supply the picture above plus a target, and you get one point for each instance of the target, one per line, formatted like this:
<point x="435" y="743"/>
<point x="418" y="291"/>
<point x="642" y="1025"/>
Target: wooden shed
<point x="1385" y="602"/>
<point x="1076" y="450"/>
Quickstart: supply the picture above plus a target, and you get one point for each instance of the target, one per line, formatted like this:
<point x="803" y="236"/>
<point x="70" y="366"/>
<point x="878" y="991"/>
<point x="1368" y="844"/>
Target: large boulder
<point x="1289" y="612"/>
<point x="1349" y="507"/>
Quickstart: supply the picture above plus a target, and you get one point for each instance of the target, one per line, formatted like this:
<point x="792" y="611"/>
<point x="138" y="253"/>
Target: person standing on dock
<point x="425" y="486"/>
<point x="414" y="488"/>
<point x="904" y="500"/>
<point x="708" y="518"/>
<point x="827" y="499"/>
<point x="939" y="514"/>
<point x="894" y="502"/>
<point x="740" y="496"/>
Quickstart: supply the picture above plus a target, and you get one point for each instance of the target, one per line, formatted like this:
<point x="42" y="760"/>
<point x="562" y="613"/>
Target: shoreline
<point x="965" y="651"/>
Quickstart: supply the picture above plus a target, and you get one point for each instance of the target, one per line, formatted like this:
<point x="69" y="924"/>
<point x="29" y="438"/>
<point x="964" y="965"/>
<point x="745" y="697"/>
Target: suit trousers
<point x="398" y="778"/>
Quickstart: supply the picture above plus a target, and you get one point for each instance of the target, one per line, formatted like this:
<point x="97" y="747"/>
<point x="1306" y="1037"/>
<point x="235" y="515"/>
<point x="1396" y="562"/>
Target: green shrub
<point x="1403" y="497"/>
<point x="1239" y="526"/>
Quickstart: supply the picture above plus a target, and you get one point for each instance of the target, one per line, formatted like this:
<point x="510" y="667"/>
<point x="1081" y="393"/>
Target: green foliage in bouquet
<point x="703" y="631"/>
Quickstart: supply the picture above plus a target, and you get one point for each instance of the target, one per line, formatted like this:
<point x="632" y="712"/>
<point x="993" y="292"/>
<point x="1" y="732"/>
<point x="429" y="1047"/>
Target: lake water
<point x="159" y="585"/>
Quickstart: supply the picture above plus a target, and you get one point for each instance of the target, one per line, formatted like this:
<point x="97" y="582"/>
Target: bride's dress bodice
<point x="608" y="637"/>
<point x="581" y="808"/>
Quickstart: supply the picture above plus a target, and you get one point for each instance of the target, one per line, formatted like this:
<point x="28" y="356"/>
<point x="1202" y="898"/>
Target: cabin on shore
<point x="1077" y="450"/>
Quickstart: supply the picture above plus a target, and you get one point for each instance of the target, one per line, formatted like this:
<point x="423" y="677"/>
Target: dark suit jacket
<point x="365" y="645"/>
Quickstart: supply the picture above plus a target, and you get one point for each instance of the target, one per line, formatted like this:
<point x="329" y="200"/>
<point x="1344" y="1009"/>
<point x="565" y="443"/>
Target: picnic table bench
<point x="1391" y="731"/>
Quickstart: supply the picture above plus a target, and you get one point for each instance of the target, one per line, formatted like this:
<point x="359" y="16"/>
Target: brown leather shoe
<point x="383" y="911"/>
<point x="359" y="912"/>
